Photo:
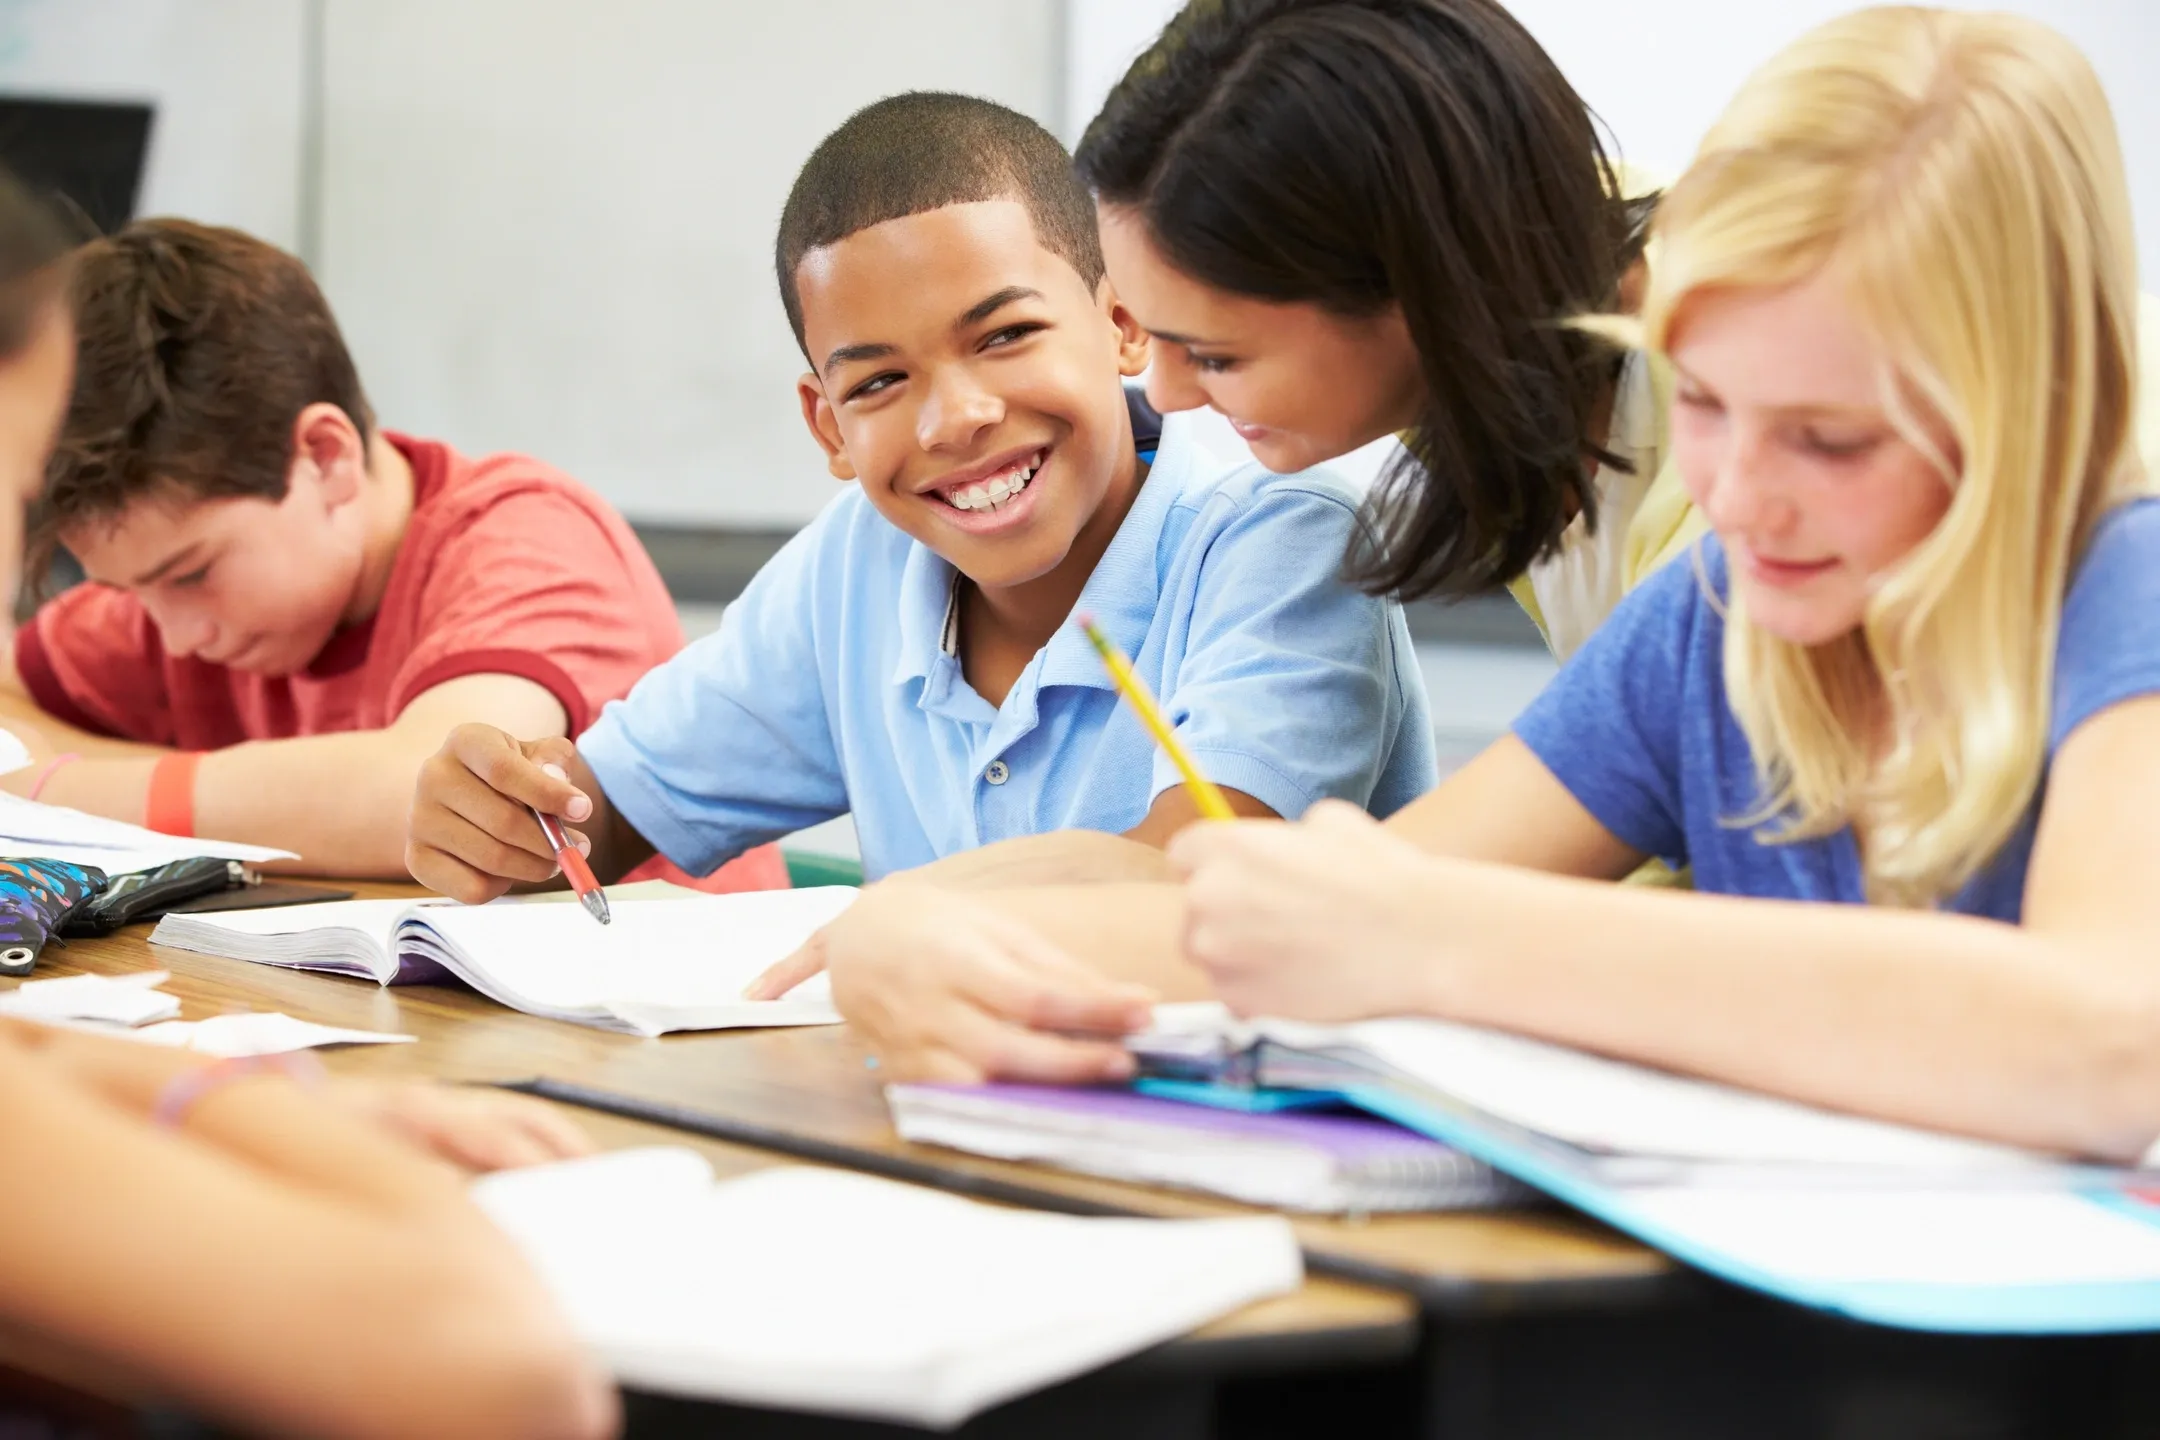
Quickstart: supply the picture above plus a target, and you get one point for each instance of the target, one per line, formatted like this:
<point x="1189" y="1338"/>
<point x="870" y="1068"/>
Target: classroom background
<point x="546" y="224"/>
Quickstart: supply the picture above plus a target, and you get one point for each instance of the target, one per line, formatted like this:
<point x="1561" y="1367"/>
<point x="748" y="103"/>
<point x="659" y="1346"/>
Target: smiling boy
<point x="290" y="606"/>
<point x="907" y="657"/>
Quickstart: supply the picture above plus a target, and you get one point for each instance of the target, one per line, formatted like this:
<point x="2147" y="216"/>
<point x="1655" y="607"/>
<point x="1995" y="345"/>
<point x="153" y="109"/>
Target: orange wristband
<point x="170" y="807"/>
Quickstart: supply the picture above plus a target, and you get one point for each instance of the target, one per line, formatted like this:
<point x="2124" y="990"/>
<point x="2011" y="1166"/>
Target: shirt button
<point x="997" y="773"/>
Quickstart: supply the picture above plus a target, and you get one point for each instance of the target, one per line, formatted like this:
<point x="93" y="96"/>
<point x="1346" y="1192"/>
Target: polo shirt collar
<point x="927" y="610"/>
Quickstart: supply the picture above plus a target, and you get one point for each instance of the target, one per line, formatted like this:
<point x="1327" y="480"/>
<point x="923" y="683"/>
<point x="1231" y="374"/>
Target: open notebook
<point x="819" y="1290"/>
<point x="1883" y="1222"/>
<point x="662" y="965"/>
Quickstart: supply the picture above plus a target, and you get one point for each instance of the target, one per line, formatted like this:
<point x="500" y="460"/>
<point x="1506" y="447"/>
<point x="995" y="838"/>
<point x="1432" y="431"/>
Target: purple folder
<point x="1293" y="1160"/>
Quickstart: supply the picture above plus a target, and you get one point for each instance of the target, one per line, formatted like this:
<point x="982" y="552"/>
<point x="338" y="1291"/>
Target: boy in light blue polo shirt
<point x="907" y="657"/>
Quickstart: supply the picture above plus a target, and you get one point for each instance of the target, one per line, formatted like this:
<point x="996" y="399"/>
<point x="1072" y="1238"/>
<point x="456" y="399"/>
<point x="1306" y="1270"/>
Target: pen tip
<point x="596" y="906"/>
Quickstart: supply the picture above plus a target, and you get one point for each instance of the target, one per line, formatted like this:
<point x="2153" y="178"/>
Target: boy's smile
<point x="995" y="495"/>
<point x="968" y="380"/>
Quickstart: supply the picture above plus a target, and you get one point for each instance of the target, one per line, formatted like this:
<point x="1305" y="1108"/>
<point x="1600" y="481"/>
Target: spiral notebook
<point x="663" y="965"/>
<point x="1315" y="1162"/>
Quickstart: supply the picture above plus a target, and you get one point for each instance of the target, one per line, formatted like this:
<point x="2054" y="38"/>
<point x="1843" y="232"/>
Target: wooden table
<point x="1523" y="1324"/>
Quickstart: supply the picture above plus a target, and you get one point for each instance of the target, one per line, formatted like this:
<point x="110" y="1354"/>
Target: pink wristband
<point x="52" y="768"/>
<point x="181" y="1094"/>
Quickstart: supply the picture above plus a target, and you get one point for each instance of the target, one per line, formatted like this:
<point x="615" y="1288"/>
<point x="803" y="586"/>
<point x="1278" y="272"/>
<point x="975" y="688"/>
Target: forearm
<point x="1125" y="931"/>
<point x="1062" y="857"/>
<point x="342" y="1283"/>
<point x="1936" y="1020"/>
<point x="268" y="1121"/>
<point x="338" y="801"/>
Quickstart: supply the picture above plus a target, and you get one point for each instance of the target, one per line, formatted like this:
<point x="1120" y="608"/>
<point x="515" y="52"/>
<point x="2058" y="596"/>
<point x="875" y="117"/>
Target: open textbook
<point x="819" y="1290"/>
<point x="662" y="965"/>
<point x="1883" y="1222"/>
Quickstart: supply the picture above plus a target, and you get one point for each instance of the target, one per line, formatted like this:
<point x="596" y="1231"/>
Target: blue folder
<point x="2086" y="1307"/>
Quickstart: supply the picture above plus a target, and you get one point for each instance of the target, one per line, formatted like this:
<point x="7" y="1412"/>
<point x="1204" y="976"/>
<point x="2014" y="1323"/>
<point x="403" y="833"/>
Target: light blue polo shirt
<point x="833" y="685"/>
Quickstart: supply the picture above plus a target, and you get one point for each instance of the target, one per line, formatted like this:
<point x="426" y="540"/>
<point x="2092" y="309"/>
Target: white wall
<point x="224" y="74"/>
<point x="548" y="223"/>
<point x="1659" y="71"/>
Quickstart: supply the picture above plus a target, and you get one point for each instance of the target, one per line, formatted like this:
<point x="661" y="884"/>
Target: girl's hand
<point x="1327" y="919"/>
<point x="472" y="1127"/>
<point x="944" y="988"/>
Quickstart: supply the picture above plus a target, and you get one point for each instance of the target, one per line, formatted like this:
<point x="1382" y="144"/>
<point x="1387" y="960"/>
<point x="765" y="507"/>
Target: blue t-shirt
<point x="1638" y="729"/>
<point x="834" y="684"/>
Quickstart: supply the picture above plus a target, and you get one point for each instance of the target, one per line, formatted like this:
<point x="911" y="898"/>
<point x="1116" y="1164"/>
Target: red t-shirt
<point x="508" y="567"/>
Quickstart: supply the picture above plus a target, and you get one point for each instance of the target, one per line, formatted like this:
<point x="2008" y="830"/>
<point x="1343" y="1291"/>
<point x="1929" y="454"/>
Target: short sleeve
<point x="1608" y="725"/>
<point x="1291" y="686"/>
<point x="2109" y="649"/>
<point x="533" y="583"/>
<point x="91" y="658"/>
<point x="728" y="745"/>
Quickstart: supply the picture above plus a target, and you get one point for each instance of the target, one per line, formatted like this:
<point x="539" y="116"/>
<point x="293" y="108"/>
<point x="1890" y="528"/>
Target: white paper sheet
<point x="14" y="755"/>
<point x="105" y="999"/>
<point x="1625" y="1109"/>
<point x="258" y="1033"/>
<point x="819" y="1290"/>
<point x="1960" y="1237"/>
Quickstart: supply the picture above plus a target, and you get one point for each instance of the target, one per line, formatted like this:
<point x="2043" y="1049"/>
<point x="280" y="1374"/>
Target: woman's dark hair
<point x="1428" y="153"/>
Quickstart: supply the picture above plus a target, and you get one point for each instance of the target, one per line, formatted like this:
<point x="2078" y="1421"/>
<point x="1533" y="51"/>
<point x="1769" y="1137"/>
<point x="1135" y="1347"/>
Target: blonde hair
<point x="1960" y="174"/>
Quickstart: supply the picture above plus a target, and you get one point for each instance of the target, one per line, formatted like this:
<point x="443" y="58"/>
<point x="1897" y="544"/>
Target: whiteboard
<point x="225" y="76"/>
<point x="548" y="224"/>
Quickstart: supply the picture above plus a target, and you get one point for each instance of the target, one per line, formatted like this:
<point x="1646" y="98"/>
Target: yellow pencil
<point x="1134" y="689"/>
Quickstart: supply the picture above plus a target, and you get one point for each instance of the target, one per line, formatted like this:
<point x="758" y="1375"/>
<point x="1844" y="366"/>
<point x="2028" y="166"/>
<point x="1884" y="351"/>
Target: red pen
<point x="574" y="868"/>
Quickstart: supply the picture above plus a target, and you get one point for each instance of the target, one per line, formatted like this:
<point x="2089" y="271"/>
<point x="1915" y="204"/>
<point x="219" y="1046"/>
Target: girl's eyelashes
<point x="1838" y="447"/>
<point x="1209" y="364"/>
<point x="192" y="578"/>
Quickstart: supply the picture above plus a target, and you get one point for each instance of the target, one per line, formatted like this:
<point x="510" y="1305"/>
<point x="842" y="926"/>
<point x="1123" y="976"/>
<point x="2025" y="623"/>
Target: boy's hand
<point x="472" y="834"/>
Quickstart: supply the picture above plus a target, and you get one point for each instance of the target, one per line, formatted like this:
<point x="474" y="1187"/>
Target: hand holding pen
<point x="574" y="868"/>
<point x="490" y="812"/>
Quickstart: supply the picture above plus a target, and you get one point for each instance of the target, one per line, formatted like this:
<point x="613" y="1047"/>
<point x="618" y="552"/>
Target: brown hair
<point x="196" y="349"/>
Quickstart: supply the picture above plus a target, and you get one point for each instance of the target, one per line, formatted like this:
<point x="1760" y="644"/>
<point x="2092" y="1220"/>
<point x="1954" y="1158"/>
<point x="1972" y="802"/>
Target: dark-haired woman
<point x="1344" y="219"/>
<point x="257" y="1244"/>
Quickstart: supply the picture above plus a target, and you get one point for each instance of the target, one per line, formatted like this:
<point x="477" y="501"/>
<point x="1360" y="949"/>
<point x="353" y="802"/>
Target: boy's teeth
<point x="990" y="494"/>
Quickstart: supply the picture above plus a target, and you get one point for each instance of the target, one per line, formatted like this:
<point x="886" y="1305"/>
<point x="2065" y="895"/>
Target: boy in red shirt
<point x="290" y="607"/>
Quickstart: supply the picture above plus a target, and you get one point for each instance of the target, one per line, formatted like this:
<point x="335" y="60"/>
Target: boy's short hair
<point x="924" y="150"/>
<point x="196" y="348"/>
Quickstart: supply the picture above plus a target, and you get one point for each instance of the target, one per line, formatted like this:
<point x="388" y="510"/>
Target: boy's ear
<point x="327" y="450"/>
<point x="817" y="413"/>
<point x="1132" y="340"/>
